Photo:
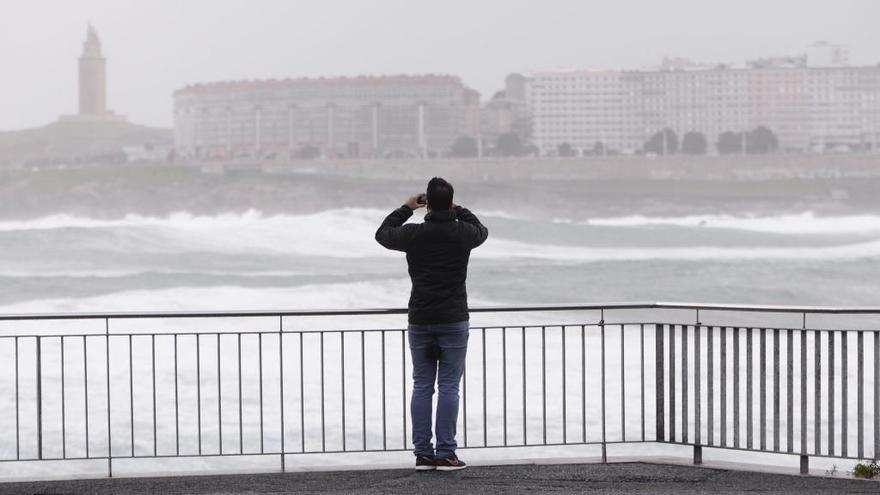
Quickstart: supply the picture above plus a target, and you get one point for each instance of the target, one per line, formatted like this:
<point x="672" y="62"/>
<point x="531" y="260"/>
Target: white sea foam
<point x="803" y="223"/>
<point x="388" y="293"/>
<point x="506" y="249"/>
<point x="348" y="233"/>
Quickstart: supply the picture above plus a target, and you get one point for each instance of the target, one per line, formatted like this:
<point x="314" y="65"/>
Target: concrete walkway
<point x="559" y="478"/>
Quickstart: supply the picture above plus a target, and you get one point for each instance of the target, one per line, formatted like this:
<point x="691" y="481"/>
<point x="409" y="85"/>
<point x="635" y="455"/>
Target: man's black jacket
<point x="437" y="252"/>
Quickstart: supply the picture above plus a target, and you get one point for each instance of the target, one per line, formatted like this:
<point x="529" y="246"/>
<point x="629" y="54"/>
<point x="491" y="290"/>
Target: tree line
<point x="663" y="142"/>
<point x="759" y="140"/>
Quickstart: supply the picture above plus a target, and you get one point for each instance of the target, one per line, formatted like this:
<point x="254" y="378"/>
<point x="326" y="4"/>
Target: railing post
<point x="280" y="384"/>
<point x="698" y="454"/>
<point x="39" y="350"/>
<point x="805" y="464"/>
<point x="109" y="428"/>
<point x="658" y="378"/>
<point x="604" y="439"/>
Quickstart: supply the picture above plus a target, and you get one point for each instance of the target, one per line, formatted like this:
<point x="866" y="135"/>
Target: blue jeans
<point x="452" y="339"/>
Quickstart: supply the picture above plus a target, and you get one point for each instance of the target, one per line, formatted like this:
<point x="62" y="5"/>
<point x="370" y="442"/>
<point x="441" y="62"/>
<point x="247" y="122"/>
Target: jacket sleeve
<point x="475" y="232"/>
<point x="392" y="234"/>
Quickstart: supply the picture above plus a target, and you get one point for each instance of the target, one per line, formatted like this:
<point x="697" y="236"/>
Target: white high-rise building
<point x="822" y="104"/>
<point x="582" y="108"/>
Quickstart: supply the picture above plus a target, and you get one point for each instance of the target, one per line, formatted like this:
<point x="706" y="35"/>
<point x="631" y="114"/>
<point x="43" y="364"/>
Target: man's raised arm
<point x="392" y="234"/>
<point x="476" y="231"/>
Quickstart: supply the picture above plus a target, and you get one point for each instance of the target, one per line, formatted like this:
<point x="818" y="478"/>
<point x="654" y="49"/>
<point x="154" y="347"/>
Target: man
<point x="437" y="253"/>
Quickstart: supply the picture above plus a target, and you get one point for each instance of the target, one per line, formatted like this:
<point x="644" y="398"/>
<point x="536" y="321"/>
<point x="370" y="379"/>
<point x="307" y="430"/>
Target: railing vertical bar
<point x="831" y="416"/>
<point x="219" y="403"/>
<point x="860" y="405"/>
<point x="672" y="419"/>
<point x="750" y="380"/>
<point x="155" y="424"/>
<point x="583" y="385"/>
<point x="86" y="391"/>
<point x="776" y="390"/>
<point x="544" y="383"/>
<point x="659" y="387"/>
<point x="302" y="397"/>
<point x="710" y="382"/>
<point x="464" y="402"/>
<point x="876" y="395"/>
<point x="18" y="407"/>
<point x="844" y="385"/>
<point x="199" y="387"/>
<point x="281" y="389"/>
<point x="176" y="403"/>
<point x="260" y="375"/>
<point x="817" y="376"/>
<point x="109" y="410"/>
<point x="723" y="376"/>
<point x="504" y="380"/>
<point x="762" y="388"/>
<point x="363" y="392"/>
<point x="602" y="335"/>
<point x="342" y="383"/>
<point x="803" y="425"/>
<point x="789" y="381"/>
<point x="525" y="422"/>
<point x="39" y="380"/>
<point x="240" y="400"/>
<point x="403" y="384"/>
<point x="564" y="411"/>
<point x="684" y="383"/>
<point x="736" y="409"/>
<point x="323" y="407"/>
<point x="641" y="375"/>
<point x="131" y="391"/>
<point x="384" y="428"/>
<point x="63" y="406"/>
<point x="698" y="413"/>
<point x="622" y="386"/>
<point x="844" y="407"/>
<point x="485" y="422"/>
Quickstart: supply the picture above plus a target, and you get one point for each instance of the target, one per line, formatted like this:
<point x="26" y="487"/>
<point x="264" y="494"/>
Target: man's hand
<point x="413" y="203"/>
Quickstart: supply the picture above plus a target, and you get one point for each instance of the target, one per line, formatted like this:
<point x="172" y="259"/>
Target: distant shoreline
<point x="825" y="184"/>
<point x="703" y="167"/>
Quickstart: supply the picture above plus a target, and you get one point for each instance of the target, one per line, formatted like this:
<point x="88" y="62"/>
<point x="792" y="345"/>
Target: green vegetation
<point x="663" y="142"/>
<point x="464" y="147"/>
<point x="509" y="144"/>
<point x="694" y="143"/>
<point x="869" y="470"/>
<point x="758" y="141"/>
<point x="565" y="150"/>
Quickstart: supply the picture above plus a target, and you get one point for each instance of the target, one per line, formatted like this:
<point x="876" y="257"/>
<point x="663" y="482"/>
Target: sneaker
<point x="425" y="463"/>
<point x="451" y="463"/>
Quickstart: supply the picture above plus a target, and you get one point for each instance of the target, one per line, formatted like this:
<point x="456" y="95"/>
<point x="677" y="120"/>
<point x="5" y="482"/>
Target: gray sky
<point x="157" y="46"/>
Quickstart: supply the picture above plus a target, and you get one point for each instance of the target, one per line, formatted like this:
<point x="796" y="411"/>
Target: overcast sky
<point x="157" y="46"/>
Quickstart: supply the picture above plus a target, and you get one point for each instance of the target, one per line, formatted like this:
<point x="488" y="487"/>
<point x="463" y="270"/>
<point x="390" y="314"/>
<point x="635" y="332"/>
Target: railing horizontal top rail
<point x="851" y="310"/>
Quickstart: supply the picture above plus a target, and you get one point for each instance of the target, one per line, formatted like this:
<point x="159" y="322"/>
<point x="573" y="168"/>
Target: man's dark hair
<point x="440" y="194"/>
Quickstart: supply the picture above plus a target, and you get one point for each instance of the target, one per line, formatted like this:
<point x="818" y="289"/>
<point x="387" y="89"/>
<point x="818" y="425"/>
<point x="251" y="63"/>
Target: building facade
<point x="388" y="116"/>
<point x="815" y="102"/>
<point x="507" y="111"/>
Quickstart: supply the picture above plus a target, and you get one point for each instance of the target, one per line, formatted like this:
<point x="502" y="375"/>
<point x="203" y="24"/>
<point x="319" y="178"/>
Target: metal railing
<point x="105" y="389"/>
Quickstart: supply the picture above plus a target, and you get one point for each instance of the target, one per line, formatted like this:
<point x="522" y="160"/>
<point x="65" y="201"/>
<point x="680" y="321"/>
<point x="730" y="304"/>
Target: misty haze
<point x="230" y="155"/>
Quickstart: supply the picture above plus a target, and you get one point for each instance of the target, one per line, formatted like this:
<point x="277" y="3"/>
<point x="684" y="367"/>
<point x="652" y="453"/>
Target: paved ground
<point x="570" y="478"/>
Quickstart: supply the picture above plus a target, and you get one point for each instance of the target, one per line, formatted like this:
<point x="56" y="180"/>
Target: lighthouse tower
<point x="92" y="77"/>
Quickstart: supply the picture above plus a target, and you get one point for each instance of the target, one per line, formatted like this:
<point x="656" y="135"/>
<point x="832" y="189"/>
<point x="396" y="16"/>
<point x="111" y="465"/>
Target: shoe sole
<point x="426" y="468"/>
<point x="450" y="468"/>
